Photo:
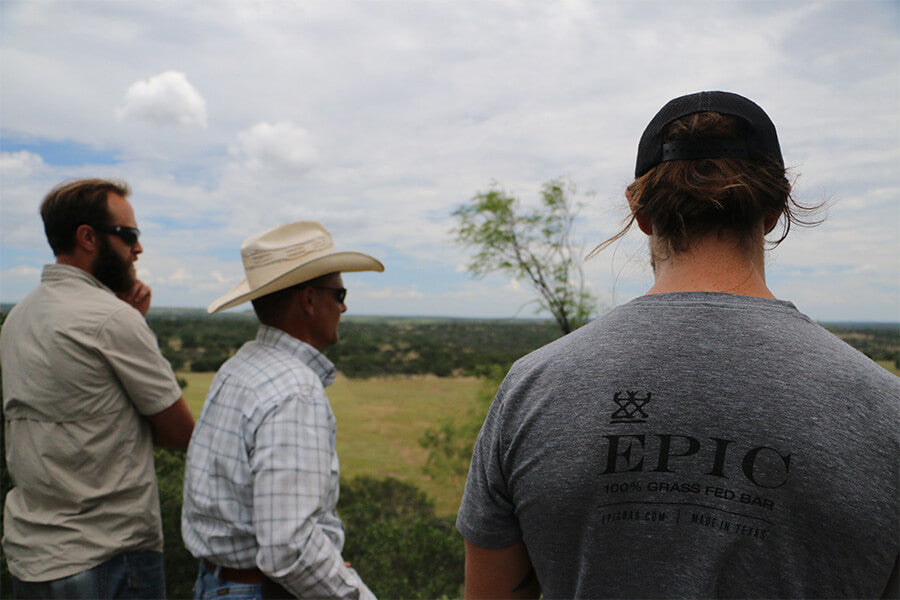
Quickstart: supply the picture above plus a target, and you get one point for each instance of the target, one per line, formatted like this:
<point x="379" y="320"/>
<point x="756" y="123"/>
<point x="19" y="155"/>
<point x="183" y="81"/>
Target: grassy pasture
<point x="380" y="421"/>
<point x="890" y="366"/>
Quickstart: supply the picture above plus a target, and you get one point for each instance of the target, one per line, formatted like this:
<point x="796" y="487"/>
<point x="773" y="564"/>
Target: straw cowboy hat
<point x="287" y="255"/>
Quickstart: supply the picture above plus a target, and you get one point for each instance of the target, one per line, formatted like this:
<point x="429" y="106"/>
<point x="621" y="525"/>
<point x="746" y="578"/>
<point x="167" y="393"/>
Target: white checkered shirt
<point x="261" y="481"/>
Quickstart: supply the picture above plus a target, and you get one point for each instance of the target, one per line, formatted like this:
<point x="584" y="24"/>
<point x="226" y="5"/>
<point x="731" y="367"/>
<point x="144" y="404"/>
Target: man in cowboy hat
<point x="261" y="481"/>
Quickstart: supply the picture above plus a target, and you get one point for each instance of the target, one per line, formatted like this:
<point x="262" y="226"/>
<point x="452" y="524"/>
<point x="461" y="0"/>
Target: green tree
<point x="532" y="245"/>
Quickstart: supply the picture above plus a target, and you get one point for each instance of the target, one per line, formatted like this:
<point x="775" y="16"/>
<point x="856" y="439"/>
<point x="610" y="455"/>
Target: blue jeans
<point x="128" y="575"/>
<point x="210" y="586"/>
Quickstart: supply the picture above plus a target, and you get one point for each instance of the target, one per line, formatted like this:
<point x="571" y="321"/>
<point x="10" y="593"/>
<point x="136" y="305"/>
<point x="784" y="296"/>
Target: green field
<point x="380" y="421"/>
<point x="890" y="366"/>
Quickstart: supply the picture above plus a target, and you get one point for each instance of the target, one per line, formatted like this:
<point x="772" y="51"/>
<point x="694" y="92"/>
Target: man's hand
<point x="138" y="296"/>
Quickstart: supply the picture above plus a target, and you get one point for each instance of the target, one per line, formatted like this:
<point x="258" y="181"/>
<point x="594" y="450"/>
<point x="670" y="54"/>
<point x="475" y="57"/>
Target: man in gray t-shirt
<point x="703" y="440"/>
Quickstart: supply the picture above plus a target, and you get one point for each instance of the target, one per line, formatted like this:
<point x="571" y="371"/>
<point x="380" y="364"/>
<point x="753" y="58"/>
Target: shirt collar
<point x="57" y="272"/>
<point x="311" y="357"/>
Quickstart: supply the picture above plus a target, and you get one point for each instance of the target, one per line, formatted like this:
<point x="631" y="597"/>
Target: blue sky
<point x="379" y="118"/>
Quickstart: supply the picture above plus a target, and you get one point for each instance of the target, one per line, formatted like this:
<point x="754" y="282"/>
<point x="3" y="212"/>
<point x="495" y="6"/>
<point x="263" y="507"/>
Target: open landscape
<point x="409" y="398"/>
<point x="382" y="418"/>
<point x="380" y="422"/>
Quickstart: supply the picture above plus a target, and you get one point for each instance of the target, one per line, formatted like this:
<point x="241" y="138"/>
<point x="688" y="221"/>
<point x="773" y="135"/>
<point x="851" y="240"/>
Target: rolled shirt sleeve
<point x="132" y="352"/>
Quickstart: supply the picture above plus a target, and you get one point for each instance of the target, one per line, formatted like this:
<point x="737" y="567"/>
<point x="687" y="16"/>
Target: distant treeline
<point x="369" y="346"/>
<point x="372" y="346"/>
<point x="878" y="341"/>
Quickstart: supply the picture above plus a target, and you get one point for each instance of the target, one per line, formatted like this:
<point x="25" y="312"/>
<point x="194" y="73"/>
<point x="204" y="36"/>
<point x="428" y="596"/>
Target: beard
<point x="111" y="269"/>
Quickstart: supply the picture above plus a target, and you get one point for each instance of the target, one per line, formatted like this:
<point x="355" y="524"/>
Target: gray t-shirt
<point x="693" y="445"/>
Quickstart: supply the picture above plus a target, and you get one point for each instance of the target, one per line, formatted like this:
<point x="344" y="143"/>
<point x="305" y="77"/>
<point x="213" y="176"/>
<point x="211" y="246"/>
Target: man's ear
<point x="644" y="223"/>
<point x="771" y="221"/>
<point x="86" y="239"/>
<point x="304" y="301"/>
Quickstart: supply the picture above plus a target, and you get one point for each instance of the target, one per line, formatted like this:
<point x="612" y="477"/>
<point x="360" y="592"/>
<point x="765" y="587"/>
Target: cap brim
<point x="339" y="262"/>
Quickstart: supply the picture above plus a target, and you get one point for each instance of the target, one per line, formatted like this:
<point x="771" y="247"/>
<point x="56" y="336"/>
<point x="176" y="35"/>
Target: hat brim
<point x="338" y="262"/>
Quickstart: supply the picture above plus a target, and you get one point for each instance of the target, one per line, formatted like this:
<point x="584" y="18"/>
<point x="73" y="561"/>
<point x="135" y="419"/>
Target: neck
<point x="76" y="260"/>
<point x="296" y="329"/>
<point x="712" y="264"/>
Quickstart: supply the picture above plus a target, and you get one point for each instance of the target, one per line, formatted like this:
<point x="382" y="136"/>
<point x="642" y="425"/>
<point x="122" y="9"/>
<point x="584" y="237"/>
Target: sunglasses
<point x="339" y="293"/>
<point x="129" y="235"/>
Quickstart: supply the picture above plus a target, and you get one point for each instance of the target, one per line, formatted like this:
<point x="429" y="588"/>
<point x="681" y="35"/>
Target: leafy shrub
<point x="396" y="542"/>
<point x="207" y="364"/>
<point x="450" y="442"/>
<point x="181" y="566"/>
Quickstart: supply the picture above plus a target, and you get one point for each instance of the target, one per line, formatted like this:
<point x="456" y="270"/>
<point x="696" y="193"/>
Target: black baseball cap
<point x="759" y="143"/>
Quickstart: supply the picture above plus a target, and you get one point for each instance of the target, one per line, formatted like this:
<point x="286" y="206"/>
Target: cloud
<point x="514" y="285"/>
<point x="19" y="164"/>
<point x="281" y="146"/>
<point x="389" y="115"/>
<point x="165" y="99"/>
<point x="22" y="272"/>
<point x="411" y="293"/>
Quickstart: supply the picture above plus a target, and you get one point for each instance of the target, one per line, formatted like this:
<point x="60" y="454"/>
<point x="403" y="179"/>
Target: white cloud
<point x="281" y="146"/>
<point x="22" y="271"/>
<point x="391" y="293"/>
<point x="164" y="99"/>
<point x="19" y="164"/>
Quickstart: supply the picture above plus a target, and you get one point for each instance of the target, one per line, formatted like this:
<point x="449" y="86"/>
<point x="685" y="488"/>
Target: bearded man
<point x="86" y="395"/>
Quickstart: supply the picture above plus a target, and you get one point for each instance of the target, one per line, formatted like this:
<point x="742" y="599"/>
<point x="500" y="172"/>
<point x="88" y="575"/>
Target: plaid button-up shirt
<point x="261" y="481"/>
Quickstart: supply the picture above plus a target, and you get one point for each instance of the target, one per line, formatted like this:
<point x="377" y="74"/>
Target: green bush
<point x="181" y="567"/>
<point x="397" y="543"/>
<point x="450" y="442"/>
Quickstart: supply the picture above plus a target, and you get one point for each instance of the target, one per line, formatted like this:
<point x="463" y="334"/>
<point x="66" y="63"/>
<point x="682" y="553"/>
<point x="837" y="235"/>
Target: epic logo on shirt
<point x="674" y="453"/>
<point x="762" y="466"/>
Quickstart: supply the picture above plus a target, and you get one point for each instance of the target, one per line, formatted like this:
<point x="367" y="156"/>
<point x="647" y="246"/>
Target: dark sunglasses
<point x="339" y="293"/>
<point x="129" y="235"/>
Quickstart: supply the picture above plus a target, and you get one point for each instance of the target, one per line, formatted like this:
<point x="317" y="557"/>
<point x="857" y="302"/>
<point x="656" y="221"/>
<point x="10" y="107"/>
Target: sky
<point x="379" y="118"/>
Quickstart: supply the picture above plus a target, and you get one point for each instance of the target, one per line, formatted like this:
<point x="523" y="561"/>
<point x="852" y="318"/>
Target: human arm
<point x="132" y="352"/>
<point x="501" y="573"/>
<point x="497" y="563"/>
<point x="294" y="468"/>
<point x="138" y="296"/>
<point x="172" y="426"/>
